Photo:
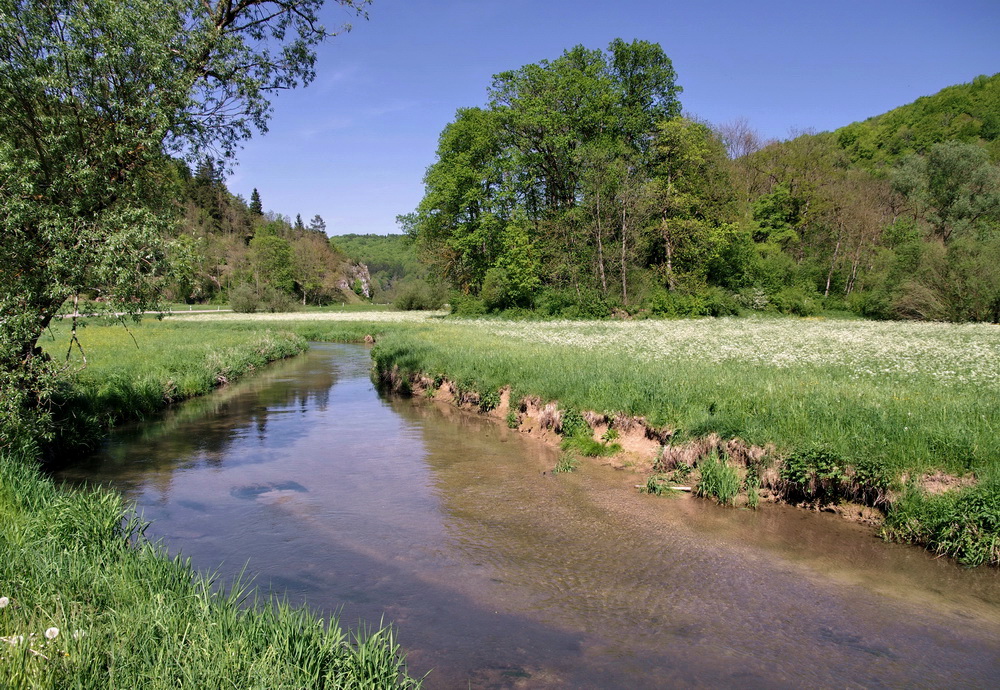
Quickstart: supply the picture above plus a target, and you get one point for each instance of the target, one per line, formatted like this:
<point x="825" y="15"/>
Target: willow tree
<point x="94" y="96"/>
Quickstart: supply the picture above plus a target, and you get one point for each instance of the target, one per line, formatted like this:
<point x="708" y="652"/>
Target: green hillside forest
<point x="580" y="189"/>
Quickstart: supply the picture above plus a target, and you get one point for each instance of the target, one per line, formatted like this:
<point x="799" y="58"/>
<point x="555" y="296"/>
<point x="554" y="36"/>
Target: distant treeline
<point x="398" y="277"/>
<point x="581" y="190"/>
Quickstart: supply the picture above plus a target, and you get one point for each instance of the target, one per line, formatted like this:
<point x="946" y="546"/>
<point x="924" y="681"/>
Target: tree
<point x="93" y="97"/>
<point x="954" y="187"/>
<point x="317" y="224"/>
<point x="256" y="207"/>
<point x="533" y="158"/>
<point x="271" y="262"/>
<point x="695" y="199"/>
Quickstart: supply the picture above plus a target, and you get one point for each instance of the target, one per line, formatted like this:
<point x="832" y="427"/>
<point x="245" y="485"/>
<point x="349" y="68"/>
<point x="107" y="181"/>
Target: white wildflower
<point x="4" y="601"/>
<point x="51" y="633"/>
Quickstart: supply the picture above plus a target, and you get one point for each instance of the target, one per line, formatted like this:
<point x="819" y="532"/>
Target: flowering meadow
<point x="917" y="396"/>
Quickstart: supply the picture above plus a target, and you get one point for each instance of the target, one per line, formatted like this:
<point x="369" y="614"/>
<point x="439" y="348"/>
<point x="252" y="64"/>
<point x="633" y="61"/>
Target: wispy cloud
<point x="331" y="125"/>
<point x="390" y="107"/>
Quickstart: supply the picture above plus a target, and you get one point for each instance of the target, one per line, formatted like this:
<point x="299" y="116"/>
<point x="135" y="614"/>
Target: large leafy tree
<point x="516" y="191"/>
<point x="94" y="95"/>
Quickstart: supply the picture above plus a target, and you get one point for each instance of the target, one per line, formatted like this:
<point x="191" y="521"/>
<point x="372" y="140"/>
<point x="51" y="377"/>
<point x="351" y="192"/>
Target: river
<point x="498" y="573"/>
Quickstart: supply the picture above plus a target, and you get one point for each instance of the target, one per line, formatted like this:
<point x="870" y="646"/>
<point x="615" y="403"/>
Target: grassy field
<point x="86" y="602"/>
<point x="918" y="396"/>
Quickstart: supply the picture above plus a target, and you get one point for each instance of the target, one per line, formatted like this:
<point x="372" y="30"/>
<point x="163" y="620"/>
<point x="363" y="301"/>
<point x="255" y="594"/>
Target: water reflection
<point x="500" y="574"/>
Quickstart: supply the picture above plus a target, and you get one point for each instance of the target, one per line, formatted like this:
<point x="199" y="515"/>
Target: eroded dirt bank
<point x="661" y="460"/>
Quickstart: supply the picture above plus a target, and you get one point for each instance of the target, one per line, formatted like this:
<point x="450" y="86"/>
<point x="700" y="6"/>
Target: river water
<point x="498" y="573"/>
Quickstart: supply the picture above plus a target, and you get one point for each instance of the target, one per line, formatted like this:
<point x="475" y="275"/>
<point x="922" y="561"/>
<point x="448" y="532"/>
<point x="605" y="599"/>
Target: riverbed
<point x="498" y="573"/>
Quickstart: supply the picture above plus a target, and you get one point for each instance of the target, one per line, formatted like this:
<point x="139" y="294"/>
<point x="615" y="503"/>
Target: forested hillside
<point x="581" y="190"/>
<point x="397" y="274"/>
<point x="226" y="248"/>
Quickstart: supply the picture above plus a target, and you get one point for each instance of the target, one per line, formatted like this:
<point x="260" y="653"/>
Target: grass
<point x="719" y="480"/>
<point x="119" y="611"/>
<point x="920" y="397"/>
<point x="118" y="375"/>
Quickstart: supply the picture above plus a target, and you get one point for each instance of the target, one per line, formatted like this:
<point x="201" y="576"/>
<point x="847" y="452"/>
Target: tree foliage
<point x="579" y="189"/>
<point x="93" y="97"/>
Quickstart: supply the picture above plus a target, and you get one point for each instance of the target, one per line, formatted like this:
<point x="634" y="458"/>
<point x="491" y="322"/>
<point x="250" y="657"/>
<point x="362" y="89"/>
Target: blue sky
<point x="353" y="146"/>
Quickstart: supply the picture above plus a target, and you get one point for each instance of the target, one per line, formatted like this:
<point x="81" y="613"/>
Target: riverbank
<point x="896" y="416"/>
<point x="856" y="417"/>
<point x="87" y="601"/>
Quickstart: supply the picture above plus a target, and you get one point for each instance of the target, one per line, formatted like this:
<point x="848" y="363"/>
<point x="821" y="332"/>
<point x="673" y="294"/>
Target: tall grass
<point x="920" y="397"/>
<point x="122" y="614"/>
<point x="87" y="602"/>
<point x="116" y="375"/>
<point x="718" y="480"/>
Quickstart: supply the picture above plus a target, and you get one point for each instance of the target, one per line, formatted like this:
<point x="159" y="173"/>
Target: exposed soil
<point x="645" y="449"/>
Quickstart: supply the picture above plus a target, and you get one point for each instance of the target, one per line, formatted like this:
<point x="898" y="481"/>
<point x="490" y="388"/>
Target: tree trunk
<point x="833" y="261"/>
<point x="600" y="250"/>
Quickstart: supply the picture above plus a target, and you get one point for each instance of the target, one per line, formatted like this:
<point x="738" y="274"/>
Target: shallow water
<point x="498" y="573"/>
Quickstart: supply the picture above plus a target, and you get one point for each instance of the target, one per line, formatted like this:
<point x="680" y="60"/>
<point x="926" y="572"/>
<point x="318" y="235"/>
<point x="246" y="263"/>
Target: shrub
<point x="275" y="300"/>
<point x="755" y="298"/>
<point x="416" y="295"/>
<point x="711" y="301"/>
<point x="244" y="299"/>
<point x="467" y="305"/>
<point x="489" y="401"/>
<point x="797" y="301"/>
<point x="814" y="474"/>
<point x="568" y="303"/>
<point x="962" y="524"/>
<point x="718" y="480"/>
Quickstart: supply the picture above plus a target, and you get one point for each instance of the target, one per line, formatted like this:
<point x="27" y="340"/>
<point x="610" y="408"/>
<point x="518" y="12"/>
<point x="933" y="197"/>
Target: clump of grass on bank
<point x="86" y="602"/>
<point x="719" y="480"/>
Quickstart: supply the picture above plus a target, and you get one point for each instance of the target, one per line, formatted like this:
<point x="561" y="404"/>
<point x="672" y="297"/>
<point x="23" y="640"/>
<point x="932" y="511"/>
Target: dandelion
<point x="4" y="601"/>
<point x="51" y="633"/>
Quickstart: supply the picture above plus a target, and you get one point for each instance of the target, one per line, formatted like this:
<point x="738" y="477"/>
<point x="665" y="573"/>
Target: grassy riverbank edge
<point x="953" y="516"/>
<point x="87" y="602"/>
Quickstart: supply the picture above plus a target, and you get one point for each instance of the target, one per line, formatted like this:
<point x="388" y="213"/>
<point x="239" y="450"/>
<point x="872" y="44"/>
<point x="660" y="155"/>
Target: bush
<point x="467" y="305"/>
<point x="275" y="300"/>
<point x="244" y="299"/>
<point x="711" y="301"/>
<point x="755" y="298"/>
<point x="416" y="295"/>
<point x="797" y="301"/>
<point x="718" y="480"/>
<point x="962" y="524"/>
<point x="872" y="305"/>
<point x="567" y="303"/>
<point x="814" y="474"/>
